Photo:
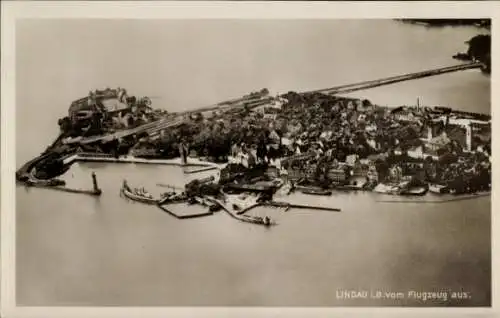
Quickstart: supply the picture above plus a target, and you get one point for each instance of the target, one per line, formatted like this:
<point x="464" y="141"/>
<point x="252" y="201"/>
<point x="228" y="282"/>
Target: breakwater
<point x="92" y="192"/>
<point x="288" y="206"/>
<point x="25" y="171"/>
<point x="44" y="184"/>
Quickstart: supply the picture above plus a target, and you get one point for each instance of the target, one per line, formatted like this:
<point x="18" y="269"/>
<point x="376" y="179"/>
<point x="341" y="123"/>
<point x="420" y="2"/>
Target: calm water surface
<point x="78" y="250"/>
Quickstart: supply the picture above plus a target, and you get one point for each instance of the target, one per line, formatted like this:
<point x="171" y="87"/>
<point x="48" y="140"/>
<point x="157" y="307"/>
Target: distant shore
<point x="481" y="23"/>
<point x="479" y="46"/>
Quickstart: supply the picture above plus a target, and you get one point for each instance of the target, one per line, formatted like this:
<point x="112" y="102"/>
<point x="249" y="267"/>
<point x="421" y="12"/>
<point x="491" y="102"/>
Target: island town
<point x="315" y="142"/>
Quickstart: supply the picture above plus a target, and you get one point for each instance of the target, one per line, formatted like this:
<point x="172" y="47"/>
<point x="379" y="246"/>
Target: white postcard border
<point x="211" y="10"/>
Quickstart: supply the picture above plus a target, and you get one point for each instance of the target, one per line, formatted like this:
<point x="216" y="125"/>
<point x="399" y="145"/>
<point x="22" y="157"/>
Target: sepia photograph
<point x="252" y="162"/>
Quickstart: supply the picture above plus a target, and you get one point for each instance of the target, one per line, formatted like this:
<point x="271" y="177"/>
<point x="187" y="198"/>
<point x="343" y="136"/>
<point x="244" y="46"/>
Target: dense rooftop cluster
<point x="431" y="145"/>
<point x="315" y="138"/>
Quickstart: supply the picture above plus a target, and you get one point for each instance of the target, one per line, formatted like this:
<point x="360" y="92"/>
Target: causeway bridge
<point x="344" y="89"/>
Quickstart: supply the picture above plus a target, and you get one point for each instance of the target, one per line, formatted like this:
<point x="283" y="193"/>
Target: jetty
<point x="185" y="213"/>
<point x="102" y="157"/>
<point x="71" y="190"/>
<point x="198" y="170"/>
<point x="240" y="216"/>
<point x="288" y="206"/>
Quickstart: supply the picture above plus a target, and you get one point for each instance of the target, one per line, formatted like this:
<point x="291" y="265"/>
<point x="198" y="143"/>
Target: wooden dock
<point x="288" y="206"/>
<point x="203" y="169"/>
<point x="239" y="216"/>
<point x="185" y="214"/>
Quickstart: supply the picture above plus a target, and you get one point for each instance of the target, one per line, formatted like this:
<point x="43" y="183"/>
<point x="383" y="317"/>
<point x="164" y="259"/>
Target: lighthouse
<point x="96" y="186"/>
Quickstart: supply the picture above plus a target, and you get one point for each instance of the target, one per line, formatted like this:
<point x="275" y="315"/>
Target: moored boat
<point x="139" y="195"/>
<point x="386" y="189"/>
<point x="438" y="188"/>
<point x="314" y="191"/>
<point x="417" y="191"/>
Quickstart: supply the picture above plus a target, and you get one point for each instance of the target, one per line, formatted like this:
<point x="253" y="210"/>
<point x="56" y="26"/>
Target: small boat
<point x="386" y="188"/>
<point x="258" y="220"/>
<point x="140" y="195"/>
<point x="266" y="221"/>
<point x="313" y="191"/>
<point x="417" y="191"/>
<point x="438" y="188"/>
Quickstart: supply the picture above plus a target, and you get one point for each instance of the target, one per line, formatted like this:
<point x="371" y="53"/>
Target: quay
<point x="440" y="200"/>
<point x="99" y="157"/>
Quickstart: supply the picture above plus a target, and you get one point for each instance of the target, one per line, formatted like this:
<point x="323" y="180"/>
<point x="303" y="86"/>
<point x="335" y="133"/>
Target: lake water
<point x="78" y="250"/>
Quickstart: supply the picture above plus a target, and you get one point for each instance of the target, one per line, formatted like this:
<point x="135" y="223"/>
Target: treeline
<point x="479" y="50"/>
<point x="486" y="23"/>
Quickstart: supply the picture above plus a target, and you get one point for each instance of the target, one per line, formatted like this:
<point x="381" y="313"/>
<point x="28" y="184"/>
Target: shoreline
<point x="66" y="152"/>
